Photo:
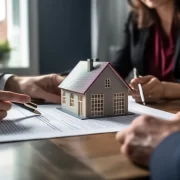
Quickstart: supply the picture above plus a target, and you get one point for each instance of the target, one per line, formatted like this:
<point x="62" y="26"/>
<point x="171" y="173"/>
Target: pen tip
<point x="144" y="103"/>
<point x="37" y="112"/>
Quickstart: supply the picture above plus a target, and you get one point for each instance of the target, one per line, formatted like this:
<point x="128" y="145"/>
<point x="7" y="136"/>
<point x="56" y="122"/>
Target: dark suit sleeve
<point x="1" y="75"/>
<point x="165" y="160"/>
<point x="122" y="62"/>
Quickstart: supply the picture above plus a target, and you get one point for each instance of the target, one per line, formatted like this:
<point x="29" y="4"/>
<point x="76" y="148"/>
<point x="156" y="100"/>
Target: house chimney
<point x="96" y="60"/>
<point x="89" y="65"/>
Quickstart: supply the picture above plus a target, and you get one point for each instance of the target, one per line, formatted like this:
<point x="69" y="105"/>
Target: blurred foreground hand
<point x="144" y="135"/>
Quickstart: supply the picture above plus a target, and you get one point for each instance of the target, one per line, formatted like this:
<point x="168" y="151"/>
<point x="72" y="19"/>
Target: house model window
<point x="64" y="97"/>
<point x="97" y="105"/>
<point x="107" y="83"/>
<point x="72" y="100"/>
<point x="119" y="104"/>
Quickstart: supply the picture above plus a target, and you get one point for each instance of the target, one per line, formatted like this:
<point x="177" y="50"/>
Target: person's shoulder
<point x="131" y="21"/>
<point x="131" y="17"/>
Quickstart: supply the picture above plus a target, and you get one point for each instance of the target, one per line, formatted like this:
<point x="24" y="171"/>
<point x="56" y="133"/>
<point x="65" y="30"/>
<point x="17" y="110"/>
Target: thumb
<point x="47" y="96"/>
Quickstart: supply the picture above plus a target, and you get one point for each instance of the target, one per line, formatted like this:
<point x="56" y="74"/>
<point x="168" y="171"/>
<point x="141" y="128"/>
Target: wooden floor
<point x="82" y="157"/>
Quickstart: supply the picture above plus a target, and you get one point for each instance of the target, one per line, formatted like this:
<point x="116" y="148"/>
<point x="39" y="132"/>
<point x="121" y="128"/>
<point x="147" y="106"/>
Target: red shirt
<point x="160" y="54"/>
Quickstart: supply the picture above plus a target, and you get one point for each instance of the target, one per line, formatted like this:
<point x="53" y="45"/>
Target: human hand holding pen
<point x="43" y="87"/>
<point x="153" y="89"/>
<point x="6" y="97"/>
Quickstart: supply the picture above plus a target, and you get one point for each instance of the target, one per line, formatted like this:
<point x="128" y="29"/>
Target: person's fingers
<point x="123" y="149"/>
<point x="3" y="114"/>
<point x="147" y="83"/>
<point x="141" y="80"/>
<point x="5" y="106"/>
<point x="144" y="79"/>
<point x="14" y="97"/>
<point x="56" y="79"/>
<point x="52" y="81"/>
<point x="152" y="95"/>
<point x="120" y="136"/>
<point x="47" y="96"/>
<point x="137" y="98"/>
<point x="127" y="140"/>
<point x="149" y="86"/>
<point x="148" y="98"/>
<point x="134" y="83"/>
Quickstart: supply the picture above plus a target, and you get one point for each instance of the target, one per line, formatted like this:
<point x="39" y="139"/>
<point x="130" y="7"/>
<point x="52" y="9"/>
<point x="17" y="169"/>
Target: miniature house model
<point x="94" y="89"/>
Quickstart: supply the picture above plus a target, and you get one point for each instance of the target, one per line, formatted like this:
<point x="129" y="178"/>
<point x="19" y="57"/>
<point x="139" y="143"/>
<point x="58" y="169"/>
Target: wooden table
<point x="83" y="157"/>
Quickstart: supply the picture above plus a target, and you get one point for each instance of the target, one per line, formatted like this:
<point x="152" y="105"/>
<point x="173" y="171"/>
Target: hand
<point x="5" y="101"/>
<point x="144" y="135"/>
<point x="153" y="89"/>
<point x="40" y="87"/>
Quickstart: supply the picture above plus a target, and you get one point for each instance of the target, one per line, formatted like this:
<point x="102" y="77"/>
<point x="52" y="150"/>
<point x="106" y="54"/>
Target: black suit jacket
<point x="165" y="160"/>
<point x="134" y="47"/>
<point x="1" y="75"/>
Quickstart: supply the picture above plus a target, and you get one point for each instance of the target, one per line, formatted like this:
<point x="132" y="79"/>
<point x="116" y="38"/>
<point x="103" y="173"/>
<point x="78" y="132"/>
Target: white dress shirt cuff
<point x="4" y="79"/>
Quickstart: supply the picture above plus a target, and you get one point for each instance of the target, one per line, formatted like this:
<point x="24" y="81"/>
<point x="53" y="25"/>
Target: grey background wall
<point x="64" y="33"/>
<point x="108" y="18"/>
<point x="72" y="30"/>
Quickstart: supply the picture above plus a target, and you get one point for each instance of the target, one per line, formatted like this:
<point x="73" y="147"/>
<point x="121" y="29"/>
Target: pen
<point x="32" y="104"/>
<point x="29" y="106"/>
<point x="139" y="87"/>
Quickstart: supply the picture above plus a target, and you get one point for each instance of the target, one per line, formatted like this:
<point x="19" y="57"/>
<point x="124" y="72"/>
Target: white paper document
<point x="141" y="109"/>
<point x="21" y="124"/>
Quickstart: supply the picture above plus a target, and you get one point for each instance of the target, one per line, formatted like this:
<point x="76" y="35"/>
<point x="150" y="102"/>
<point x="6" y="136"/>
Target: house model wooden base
<point x="94" y="89"/>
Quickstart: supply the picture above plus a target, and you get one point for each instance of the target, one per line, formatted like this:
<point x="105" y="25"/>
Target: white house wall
<point x="66" y="106"/>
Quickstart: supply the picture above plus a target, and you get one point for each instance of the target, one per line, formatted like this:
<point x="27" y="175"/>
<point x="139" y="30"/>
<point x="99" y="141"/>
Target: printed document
<point x="21" y="124"/>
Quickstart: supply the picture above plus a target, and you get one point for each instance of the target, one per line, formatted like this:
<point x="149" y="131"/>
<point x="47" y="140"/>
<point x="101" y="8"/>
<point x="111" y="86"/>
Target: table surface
<point x="82" y="157"/>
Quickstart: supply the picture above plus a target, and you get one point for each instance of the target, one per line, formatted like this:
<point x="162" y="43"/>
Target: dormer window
<point x="107" y="83"/>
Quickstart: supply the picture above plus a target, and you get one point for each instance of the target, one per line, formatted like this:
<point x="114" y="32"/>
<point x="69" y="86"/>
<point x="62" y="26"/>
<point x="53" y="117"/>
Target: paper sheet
<point x="21" y="124"/>
<point x="141" y="109"/>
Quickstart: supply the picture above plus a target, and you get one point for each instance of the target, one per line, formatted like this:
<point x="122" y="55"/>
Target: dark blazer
<point x="165" y="160"/>
<point x="134" y="47"/>
<point x="1" y="74"/>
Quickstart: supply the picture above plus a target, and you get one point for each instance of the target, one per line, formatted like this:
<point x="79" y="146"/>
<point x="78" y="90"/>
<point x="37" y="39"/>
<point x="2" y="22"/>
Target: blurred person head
<point x="145" y="11"/>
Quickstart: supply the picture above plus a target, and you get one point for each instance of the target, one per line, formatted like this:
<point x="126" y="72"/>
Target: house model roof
<point x="79" y="80"/>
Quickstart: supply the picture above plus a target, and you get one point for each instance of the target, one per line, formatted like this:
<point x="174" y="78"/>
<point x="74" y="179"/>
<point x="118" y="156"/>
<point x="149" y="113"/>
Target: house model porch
<point x="94" y="89"/>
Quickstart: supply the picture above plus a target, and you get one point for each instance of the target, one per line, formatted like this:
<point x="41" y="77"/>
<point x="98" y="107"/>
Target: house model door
<point x="80" y="108"/>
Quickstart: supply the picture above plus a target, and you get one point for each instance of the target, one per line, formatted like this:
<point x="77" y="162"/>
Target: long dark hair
<point x="145" y="16"/>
